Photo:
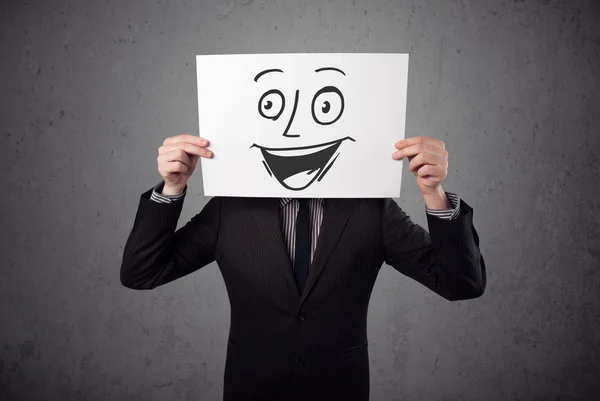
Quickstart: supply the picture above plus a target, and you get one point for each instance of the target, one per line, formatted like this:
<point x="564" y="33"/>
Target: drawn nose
<point x="289" y="124"/>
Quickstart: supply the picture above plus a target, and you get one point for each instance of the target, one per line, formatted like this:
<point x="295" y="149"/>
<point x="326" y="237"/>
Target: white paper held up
<point x="302" y="125"/>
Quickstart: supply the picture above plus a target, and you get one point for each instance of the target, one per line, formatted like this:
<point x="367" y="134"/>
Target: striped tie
<point x="302" y="256"/>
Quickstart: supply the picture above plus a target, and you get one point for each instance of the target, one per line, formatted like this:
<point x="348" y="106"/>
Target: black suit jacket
<point x="286" y="345"/>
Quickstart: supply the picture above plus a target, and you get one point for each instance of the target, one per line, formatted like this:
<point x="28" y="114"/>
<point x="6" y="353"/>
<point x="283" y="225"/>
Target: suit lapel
<point x="266" y="213"/>
<point x="335" y="217"/>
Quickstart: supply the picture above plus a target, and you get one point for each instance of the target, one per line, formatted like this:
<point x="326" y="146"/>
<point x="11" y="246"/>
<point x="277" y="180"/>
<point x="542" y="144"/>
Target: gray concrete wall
<point x="89" y="89"/>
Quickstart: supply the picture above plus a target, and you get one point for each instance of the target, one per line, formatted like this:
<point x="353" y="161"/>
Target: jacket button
<point x="299" y="363"/>
<point x="300" y="316"/>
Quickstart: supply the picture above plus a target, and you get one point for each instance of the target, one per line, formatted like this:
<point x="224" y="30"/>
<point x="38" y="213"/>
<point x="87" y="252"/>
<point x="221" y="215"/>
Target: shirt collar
<point x="284" y="201"/>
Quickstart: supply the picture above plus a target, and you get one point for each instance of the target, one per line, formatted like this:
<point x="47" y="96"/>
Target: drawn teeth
<point x="298" y="152"/>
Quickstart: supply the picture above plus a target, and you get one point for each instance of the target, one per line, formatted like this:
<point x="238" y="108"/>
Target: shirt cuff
<point x="447" y="214"/>
<point x="157" y="195"/>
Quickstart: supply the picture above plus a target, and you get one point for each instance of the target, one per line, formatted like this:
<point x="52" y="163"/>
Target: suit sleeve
<point x="446" y="260"/>
<point x="156" y="254"/>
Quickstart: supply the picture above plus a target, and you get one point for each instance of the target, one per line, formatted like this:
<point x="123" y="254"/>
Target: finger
<point x="193" y="139"/>
<point x="423" y="147"/>
<point x="423" y="170"/>
<point x="414" y="150"/>
<point x="426" y="170"/>
<point x="426" y="158"/>
<point x="422" y="140"/>
<point x="175" y="167"/>
<point x="432" y="173"/>
<point x="176" y="155"/>
<point x="187" y="147"/>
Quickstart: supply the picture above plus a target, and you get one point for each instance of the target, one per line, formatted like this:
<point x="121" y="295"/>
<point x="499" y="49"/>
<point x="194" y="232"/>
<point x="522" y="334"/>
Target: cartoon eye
<point x="327" y="105"/>
<point x="271" y="104"/>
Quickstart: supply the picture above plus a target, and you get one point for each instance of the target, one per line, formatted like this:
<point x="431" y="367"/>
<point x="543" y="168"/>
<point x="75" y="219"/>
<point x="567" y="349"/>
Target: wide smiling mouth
<point x="300" y="150"/>
<point x="298" y="167"/>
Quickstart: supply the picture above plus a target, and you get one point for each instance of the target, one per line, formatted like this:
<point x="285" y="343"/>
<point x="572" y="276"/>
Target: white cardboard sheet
<point x="302" y="125"/>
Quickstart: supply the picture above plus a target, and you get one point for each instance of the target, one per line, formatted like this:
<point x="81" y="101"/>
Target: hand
<point x="428" y="161"/>
<point x="177" y="158"/>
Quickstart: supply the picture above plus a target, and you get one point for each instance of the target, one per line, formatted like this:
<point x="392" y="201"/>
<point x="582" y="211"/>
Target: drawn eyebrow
<point x="260" y="74"/>
<point x="331" y="69"/>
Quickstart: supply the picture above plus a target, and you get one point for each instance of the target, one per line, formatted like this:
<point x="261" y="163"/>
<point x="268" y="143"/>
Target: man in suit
<point x="299" y="273"/>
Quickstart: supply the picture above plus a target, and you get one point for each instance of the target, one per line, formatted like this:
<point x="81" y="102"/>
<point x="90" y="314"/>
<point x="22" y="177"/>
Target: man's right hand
<point x="177" y="158"/>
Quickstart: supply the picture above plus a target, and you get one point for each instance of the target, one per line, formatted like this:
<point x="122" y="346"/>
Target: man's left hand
<point x="428" y="161"/>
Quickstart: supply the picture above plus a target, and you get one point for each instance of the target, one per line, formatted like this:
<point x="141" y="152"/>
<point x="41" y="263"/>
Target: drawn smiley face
<point x="297" y="167"/>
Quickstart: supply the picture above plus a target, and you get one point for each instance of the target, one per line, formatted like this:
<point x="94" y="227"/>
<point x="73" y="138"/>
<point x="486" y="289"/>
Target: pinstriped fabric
<point x="284" y="345"/>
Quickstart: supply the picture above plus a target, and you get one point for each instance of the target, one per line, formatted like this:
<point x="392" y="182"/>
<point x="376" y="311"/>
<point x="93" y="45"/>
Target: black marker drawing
<point x="321" y="98"/>
<point x="260" y="74"/>
<point x="265" y="104"/>
<point x="296" y="168"/>
<point x="329" y="68"/>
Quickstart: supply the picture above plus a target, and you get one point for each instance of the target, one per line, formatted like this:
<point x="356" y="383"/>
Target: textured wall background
<point x="89" y="90"/>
